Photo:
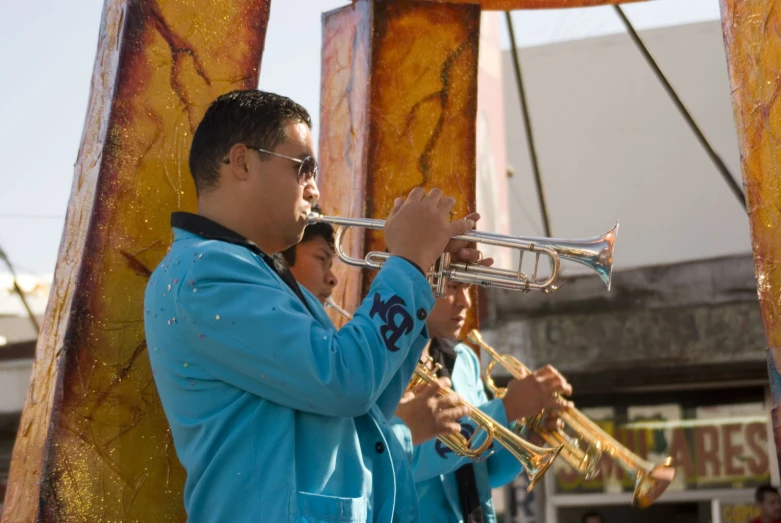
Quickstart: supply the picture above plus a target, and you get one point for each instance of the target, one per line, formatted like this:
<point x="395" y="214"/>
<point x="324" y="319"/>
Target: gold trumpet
<point x="651" y="480"/>
<point x="535" y="460"/>
<point x="595" y="253"/>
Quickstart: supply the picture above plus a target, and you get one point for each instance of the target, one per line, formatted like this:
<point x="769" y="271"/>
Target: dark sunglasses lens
<point x="308" y="170"/>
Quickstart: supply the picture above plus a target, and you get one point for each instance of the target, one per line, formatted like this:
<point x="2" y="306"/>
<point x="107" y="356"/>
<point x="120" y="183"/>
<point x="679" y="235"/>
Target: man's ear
<point x="238" y="156"/>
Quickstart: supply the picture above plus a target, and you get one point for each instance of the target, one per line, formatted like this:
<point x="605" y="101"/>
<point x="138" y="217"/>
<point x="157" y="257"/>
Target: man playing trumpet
<point x="275" y="415"/>
<point x="311" y="262"/>
<point x="450" y="488"/>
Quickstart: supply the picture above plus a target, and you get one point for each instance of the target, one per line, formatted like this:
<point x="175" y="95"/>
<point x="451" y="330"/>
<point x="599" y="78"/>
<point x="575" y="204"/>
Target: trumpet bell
<point x="540" y="463"/>
<point x="595" y="253"/>
<point x="650" y="485"/>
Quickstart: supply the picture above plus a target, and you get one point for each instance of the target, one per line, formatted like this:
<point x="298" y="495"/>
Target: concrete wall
<point x="682" y="323"/>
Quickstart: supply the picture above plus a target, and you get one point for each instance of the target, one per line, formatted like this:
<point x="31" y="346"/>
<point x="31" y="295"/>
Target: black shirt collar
<point x="445" y="345"/>
<point x="211" y="230"/>
<point x="442" y="351"/>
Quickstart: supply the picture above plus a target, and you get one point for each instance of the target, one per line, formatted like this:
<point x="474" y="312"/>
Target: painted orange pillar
<point x="750" y="30"/>
<point x="398" y="109"/>
<point x="94" y="444"/>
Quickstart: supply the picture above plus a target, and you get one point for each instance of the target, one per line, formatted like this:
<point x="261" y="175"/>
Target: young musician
<point x="276" y="416"/>
<point x="311" y="261"/>
<point x="452" y="489"/>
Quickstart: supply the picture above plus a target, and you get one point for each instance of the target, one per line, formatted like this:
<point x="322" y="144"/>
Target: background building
<point x="17" y="350"/>
<point x="672" y="359"/>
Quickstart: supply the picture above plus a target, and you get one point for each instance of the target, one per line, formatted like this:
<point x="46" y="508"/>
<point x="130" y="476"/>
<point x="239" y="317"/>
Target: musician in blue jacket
<point x="311" y="263"/>
<point x="451" y="489"/>
<point x="275" y="415"/>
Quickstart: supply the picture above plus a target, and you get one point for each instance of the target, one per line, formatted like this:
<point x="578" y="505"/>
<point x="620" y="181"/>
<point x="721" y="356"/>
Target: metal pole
<point x="528" y="126"/>
<point x="715" y="158"/>
<point x="20" y="292"/>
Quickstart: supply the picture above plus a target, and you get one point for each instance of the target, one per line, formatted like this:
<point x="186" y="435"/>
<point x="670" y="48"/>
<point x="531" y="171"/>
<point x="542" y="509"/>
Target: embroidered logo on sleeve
<point x="467" y="431"/>
<point x="397" y="321"/>
<point x="443" y="450"/>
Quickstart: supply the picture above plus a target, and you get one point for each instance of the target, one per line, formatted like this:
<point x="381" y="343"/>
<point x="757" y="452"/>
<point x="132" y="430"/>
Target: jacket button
<point x="379" y="447"/>
<point x="422" y="314"/>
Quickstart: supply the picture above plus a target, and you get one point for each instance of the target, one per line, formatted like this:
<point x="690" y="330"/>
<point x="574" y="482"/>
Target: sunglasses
<point x="307" y="168"/>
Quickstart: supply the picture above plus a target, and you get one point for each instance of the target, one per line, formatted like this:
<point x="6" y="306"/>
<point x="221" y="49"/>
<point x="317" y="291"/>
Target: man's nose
<point x="331" y="279"/>
<point x="463" y="299"/>
<point x="311" y="191"/>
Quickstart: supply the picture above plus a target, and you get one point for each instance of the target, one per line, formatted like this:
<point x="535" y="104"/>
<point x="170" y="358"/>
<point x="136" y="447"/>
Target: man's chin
<point x="453" y="333"/>
<point x="300" y="234"/>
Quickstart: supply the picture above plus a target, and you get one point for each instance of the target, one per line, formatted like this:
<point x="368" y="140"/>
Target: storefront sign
<point x="736" y="512"/>
<point x="722" y="447"/>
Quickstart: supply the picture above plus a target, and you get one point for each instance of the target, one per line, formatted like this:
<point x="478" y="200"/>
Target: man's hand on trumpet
<point x="419" y="230"/>
<point x="537" y="391"/>
<point x="427" y="415"/>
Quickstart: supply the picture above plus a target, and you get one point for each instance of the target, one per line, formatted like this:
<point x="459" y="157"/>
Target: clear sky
<point x="47" y="49"/>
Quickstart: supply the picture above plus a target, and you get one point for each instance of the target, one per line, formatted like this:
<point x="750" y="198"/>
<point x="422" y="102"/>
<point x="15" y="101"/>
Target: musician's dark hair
<point x="323" y="230"/>
<point x="254" y="118"/>
<point x="759" y="494"/>
<point x="592" y="514"/>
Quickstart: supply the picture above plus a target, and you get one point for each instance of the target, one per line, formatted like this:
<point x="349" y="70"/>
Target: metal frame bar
<point x="527" y="124"/>
<point x="715" y="158"/>
<point x="20" y="292"/>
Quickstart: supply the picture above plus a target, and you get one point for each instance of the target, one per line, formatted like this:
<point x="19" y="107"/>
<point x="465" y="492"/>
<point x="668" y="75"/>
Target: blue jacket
<point x="434" y="464"/>
<point x="275" y="415"/>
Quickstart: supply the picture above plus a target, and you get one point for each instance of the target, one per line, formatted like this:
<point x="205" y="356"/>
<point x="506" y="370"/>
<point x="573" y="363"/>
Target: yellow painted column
<point x="94" y="444"/>
<point x="751" y="30"/>
<point x="398" y="109"/>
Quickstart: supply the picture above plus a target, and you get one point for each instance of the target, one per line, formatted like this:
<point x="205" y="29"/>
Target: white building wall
<point x="611" y="145"/>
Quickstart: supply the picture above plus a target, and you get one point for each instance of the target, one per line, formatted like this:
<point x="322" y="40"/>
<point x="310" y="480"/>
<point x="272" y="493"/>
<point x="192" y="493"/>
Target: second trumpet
<point x="535" y="460"/>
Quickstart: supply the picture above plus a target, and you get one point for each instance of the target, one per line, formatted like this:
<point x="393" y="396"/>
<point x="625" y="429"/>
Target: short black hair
<point x="324" y="230"/>
<point x="592" y="514"/>
<point x="251" y="117"/>
<point x="759" y="494"/>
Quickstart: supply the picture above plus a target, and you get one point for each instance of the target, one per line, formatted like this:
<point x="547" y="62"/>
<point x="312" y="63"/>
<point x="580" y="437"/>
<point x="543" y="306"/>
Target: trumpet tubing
<point x="331" y="304"/>
<point x="535" y="460"/>
<point x="585" y="461"/>
<point x="595" y="253"/>
<point x="651" y="480"/>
